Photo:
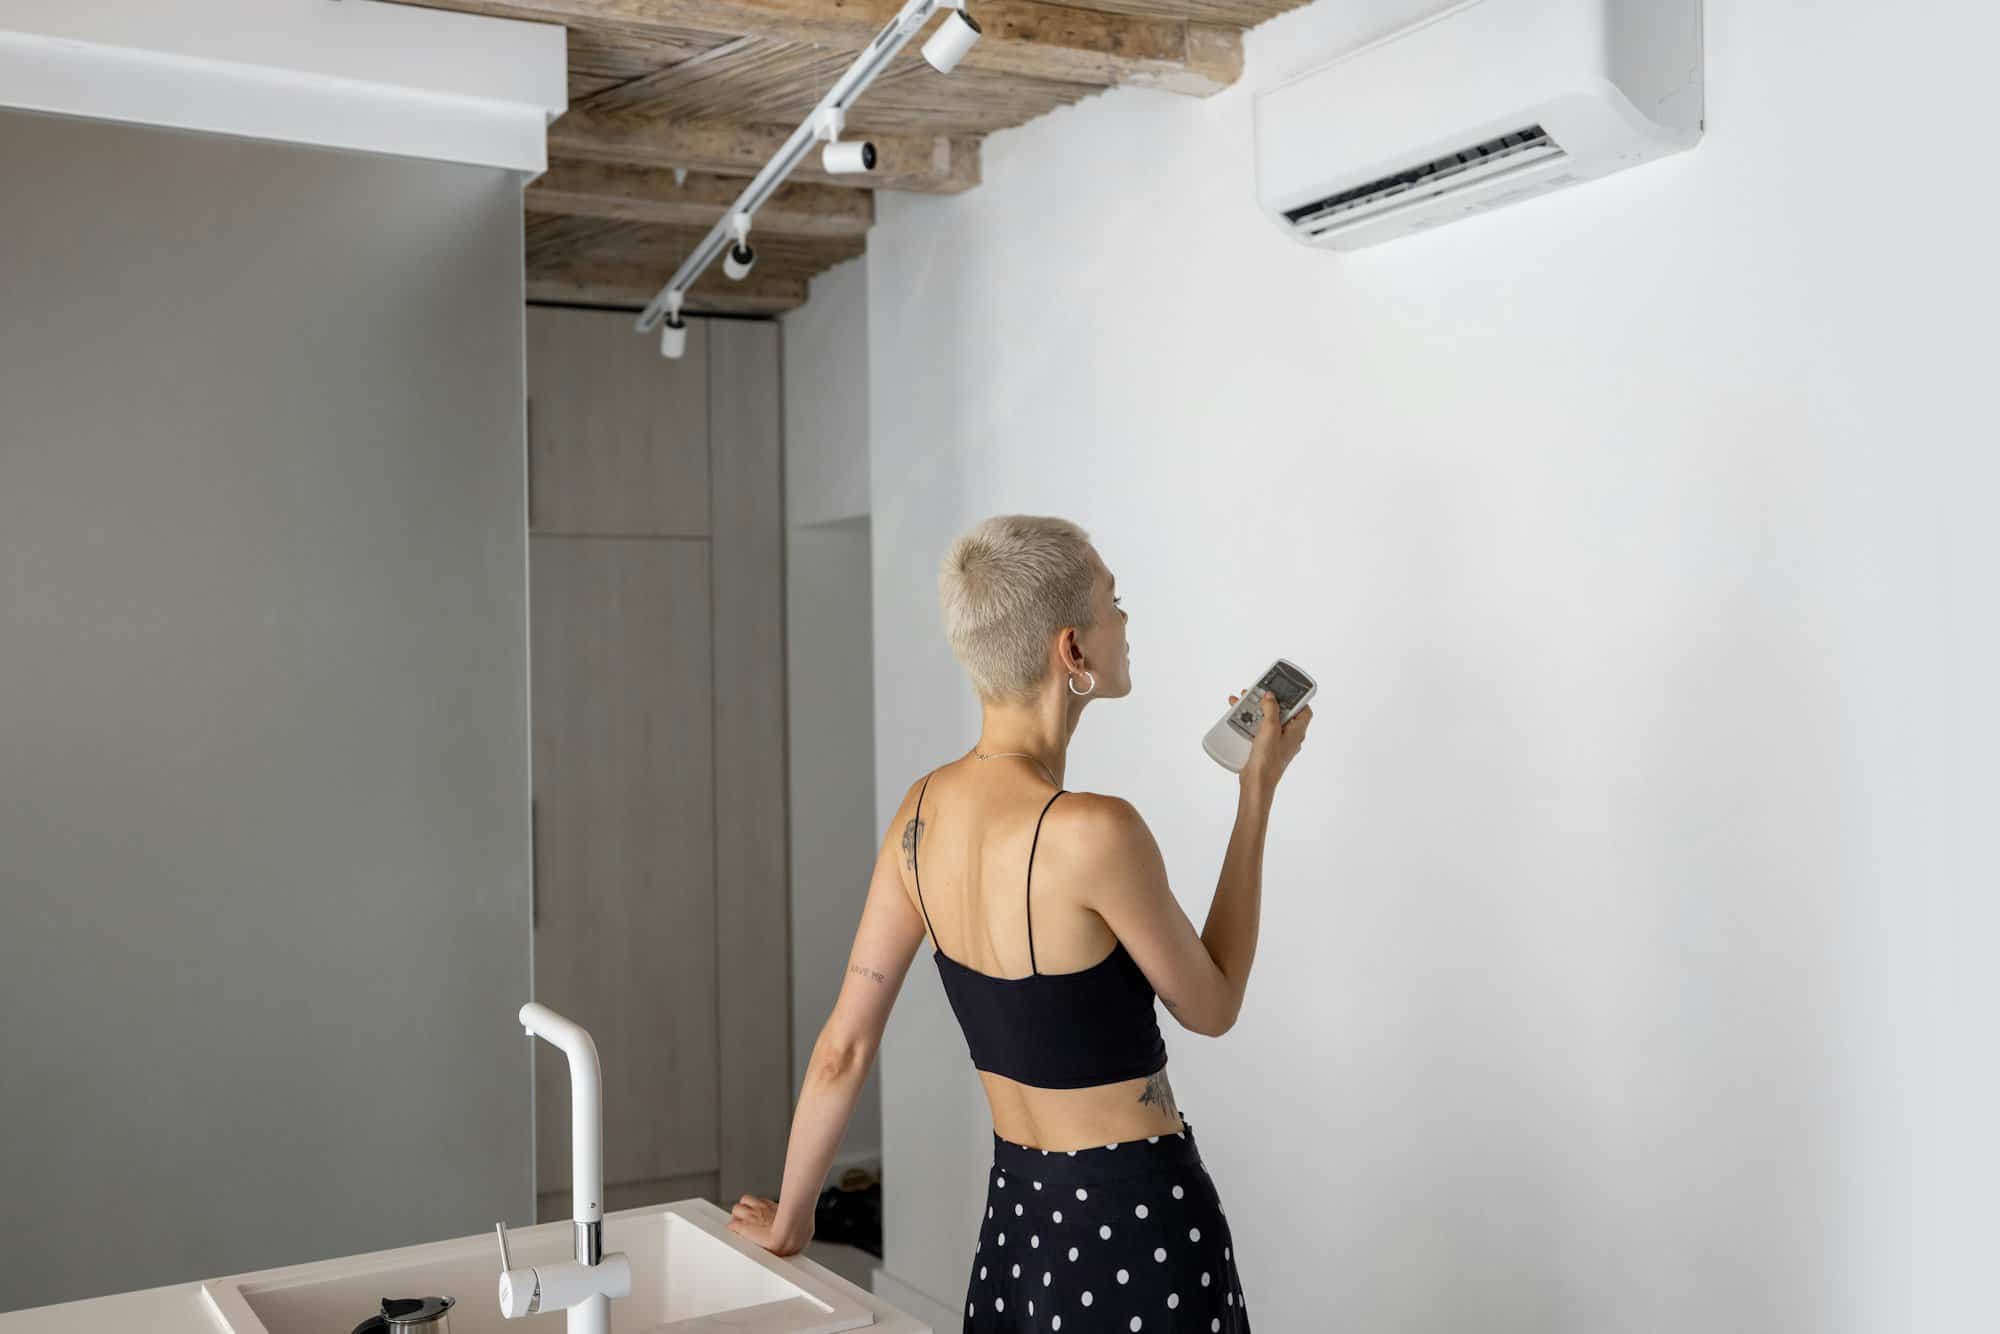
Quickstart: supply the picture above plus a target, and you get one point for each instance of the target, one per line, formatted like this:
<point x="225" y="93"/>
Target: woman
<point x="1053" y="928"/>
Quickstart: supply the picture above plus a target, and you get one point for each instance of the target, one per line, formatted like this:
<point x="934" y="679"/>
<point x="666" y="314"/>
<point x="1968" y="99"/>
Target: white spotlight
<point x="846" y="155"/>
<point x="948" y="45"/>
<point x="673" y="336"/>
<point x="738" y="261"/>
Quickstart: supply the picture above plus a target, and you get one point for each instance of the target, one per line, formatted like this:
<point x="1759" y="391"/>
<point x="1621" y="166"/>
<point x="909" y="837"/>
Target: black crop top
<point x="1052" y="1030"/>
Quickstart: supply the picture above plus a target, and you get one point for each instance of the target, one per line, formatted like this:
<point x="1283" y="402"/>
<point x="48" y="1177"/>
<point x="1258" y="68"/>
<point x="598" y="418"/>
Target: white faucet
<point x="584" y="1286"/>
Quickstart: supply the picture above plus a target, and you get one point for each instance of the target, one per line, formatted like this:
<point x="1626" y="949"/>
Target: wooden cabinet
<point x="657" y="660"/>
<point x="618" y="435"/>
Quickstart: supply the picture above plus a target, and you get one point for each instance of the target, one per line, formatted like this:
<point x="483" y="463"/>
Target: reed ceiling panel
<point x="617" y="218"/>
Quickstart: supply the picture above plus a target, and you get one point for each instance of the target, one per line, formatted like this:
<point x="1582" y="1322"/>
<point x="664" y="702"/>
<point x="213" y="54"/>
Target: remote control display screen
<point x="1287" y="685"/>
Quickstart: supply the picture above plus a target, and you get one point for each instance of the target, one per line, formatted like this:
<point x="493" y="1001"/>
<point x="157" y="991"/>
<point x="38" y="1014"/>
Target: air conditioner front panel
<point x="1433" y="123"/>
<point x="1477" y="72"/>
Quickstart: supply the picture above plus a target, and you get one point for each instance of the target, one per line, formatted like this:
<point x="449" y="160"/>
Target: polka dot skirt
<point x="1119" y="1237"/>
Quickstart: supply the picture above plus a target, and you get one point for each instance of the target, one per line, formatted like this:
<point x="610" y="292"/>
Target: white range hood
<point x="349" y="74"/>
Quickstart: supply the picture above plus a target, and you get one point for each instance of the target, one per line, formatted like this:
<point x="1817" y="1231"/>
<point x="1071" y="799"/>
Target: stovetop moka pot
<point x="410" y="1315"/>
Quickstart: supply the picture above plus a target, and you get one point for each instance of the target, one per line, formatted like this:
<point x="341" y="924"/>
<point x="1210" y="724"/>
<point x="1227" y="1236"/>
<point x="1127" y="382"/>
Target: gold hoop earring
<point x="1093" y="683"/>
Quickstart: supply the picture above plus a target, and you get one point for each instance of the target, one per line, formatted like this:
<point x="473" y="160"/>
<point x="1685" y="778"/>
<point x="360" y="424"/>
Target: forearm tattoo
<point x="866" y="972"/>
<point x="1159" y="1093"/>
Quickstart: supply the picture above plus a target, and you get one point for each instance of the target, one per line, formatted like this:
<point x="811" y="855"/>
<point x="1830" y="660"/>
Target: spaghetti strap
<point x="916" y="837"/>
<point x="1029" y="895"/>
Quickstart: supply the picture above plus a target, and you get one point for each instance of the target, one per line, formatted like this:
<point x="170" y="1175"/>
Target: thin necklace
<point x="1022" y="753"/>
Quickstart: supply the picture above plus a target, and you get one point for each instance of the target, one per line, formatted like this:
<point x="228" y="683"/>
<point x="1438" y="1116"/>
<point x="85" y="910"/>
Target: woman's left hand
<point x="756" y="1217"/>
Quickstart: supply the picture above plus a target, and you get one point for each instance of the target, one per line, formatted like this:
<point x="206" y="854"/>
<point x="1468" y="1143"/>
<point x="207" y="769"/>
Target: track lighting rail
<point x="824" y="124"/>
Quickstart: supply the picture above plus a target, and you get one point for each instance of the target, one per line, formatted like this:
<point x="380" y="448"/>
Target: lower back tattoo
<point x="1158" y="1092"/>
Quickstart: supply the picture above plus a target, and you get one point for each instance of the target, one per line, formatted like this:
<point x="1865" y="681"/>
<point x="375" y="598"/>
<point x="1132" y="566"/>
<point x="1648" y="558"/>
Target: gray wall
<point x="263" y="707"/>
<point x="830" y="672"/>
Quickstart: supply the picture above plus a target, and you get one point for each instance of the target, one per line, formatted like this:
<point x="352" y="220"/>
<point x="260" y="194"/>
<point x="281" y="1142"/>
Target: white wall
<point x="826" y="400"/>
<point x="829" y="662"/>
<point x="1622" y="965"/>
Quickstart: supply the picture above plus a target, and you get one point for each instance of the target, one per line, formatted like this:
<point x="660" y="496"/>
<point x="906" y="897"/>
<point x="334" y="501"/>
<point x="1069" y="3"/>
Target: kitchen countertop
<point x="181" y="1308"/>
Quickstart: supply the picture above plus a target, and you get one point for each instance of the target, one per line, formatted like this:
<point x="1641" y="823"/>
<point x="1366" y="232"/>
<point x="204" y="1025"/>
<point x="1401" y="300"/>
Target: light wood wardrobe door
<point x="622" y="615"/>
<point x="657" y="546"/>
<point x="753" y="940"/>
<point x="617" y="433"/>
<point x="625" y="855"/>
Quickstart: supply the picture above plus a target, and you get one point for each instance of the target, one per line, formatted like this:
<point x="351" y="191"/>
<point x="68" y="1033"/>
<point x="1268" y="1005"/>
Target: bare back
<point x="970" y="845"/>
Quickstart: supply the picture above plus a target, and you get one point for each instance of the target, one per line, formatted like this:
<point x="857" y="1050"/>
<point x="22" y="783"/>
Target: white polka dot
<point x="1177" y="1192"/>
<point x="1035" y="1240"/>
<point x="1215" y="1324"/>
<point x="1058" y="1215"/>
<point x="1017" y="1211"/>
<point x="1086" y="1297"/>
<point x="1072" y="1252"/>
<point x="1082" y="1194"/>
<point x="968" y="1308"/>
<point x="1017" y="1271"/>
<point x="989" y="1211"/>
<point x="1160" y="1254"/>
<point x="1140" y="1211"/>
<point x="1204" y="1278"/>
<point x="982" y="1271"/>
<point x="1105" y="1231"/>
<point x="1135" y="1322"/>
<point x="1152" y="1139"/>
<point x="1124" y="1277"/>
<point x="1072" y="1153"/>
<point x="1003" y="1183"/>
<point x="1173" y="1300"/>
<point x="1038" y="1185"/>
<point x="1225" y="1252"/>
<point x="1058" y="1323"/>
<point x="1003" y="1238"/>
<point x="1111" y="1146"/>
<point x="999" y="1303"/>
<point x="1046" y="1276"/>
<point x="1229" y="1299"/>
<point x="1031" y="1308"/>
<point x="1194" y="1234"/>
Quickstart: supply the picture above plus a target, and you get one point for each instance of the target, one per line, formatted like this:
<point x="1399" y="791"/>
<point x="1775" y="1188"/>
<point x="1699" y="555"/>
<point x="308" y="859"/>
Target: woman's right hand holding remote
<point x="1274" y="745"/>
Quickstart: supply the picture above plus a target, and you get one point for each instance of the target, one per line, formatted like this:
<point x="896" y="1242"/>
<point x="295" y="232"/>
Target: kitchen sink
<point x="690" y="1275"/>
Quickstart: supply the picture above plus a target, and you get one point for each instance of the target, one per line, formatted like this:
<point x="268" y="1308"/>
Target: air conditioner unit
<point x="1484" y="104"/>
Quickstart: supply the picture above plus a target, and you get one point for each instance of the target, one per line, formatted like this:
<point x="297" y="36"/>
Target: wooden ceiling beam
<point x="1024" y="37"/>
<point x="556" y="240"/>
<point x="631" y="287"/>
<point x="650" y="194"/>
<point x="1236" y="13"/>
<point x="926" y="164"/>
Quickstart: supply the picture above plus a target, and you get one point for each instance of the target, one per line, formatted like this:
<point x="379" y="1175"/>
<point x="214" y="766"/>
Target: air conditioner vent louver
<point x="1453" y="171"/>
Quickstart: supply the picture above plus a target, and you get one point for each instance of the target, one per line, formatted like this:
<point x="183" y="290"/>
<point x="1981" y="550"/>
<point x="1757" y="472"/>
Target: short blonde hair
<point x="1008" y="585"/>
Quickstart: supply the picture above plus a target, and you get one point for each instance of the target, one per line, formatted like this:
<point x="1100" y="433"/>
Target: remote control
<point x="1228" y="742"/>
